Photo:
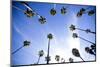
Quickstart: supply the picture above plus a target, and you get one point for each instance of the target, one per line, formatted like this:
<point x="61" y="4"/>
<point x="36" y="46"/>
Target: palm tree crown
<point x="41" y="53"/>
<point x="26" y="43"/>
<point x="72" y="27"/>
<point x="50" y="36"/>
<point x="53" y="11"/>
<point x="57" y="58"/>
<point x="75" y="35"/>
<point x="63" y="10"/>
<point x="71" y="60"/>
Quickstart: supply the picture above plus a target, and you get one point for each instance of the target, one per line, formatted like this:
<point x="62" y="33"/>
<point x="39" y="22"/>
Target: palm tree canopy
<point x="57" y="57"/>
<point x="29" y="13"/>
<point x="87" y="49"/>
<point x="41" y="53"/>
<point x="63" y="10"/>
<point x="62" y="60"/>
<point x="50" y="36"/>
<point x="42" y="20"/>
<point x="72" y="27"/>
<point x="91" y="12"/>
<point x="75" y="35"/>
<point x="75" y="52"/>
<point x="90" y="51"/>
<point x="70" y="59"/>
<point x="82" y="10"/>
<point x="93" y="47"/>
<point x="53" y="11"/>
<point x="26" y="43"/>
<point x="88" y="30"/>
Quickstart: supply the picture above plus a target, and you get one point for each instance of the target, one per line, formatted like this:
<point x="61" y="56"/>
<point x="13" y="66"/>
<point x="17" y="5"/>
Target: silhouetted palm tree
<point x="63" y="10"/>
<point x="71" y="60"/>
<point x="62" y="60"/>
<point x="26" y="43"/>
<point x="72" y="28"/>
<point x="81" y="12"/>
<point x="90" y="51"/>
<point x="76" y="53"/>
<point x="76" y="36"/>
<point x="53" y="11"/>
<point x="42" y="20"/>
<point x="57" y="58"/>
<point x="29" y="12"/>
<point x="91" y="12"/>
<point x="49" y="36"/>
<point x="84" y="11"/>
<point x="41" y="53"/>
<point x="93" y="47"/>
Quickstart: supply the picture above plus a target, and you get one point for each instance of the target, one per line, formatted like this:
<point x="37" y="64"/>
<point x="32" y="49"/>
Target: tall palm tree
<point x="72" y="28"/>
<point x="71" y="60"/>
<point x="49" y="36"/>
<point x="57" y="58"/>
<point x="76" y="36"/>
<point x="41" y="53"/>
<point x="25" y="44"/>
<point x="76" y="53"/>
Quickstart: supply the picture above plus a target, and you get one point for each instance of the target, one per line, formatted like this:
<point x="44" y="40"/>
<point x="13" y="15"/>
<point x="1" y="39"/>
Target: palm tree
<point x="93" y="47"/>
<point x="26" y="43"/>
<point x="91" y="12"/>
<point x="49" y="36"/>
<point x="42" y="19"/>
<point x="71" y="60"/>
<point x="41" y="53"/>
<point x="63" y="10"/>
<point x="53" y="11"/>
<point x="62" y="60"/>
<point x="57" y="58"/>
<point x="81" y="12"/>
<point x="90" y="51"/>
<point x="29" y="12"/>
<point x="76" y="53"/>
<point x="76" y="36"/>
<point x="72" y="28"/>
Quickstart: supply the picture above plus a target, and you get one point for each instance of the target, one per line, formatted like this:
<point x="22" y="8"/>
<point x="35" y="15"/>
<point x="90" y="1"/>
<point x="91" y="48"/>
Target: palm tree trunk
<point x="17" y="50"/>
<point x="86" y="40"/>
<point x="48" y="51"/>
<point x="82" y="59"/>
<point x="93" y="32"/>
<point x="38" y="60"/>
<point x="80" y="29"/>
<point x="85" y="30"/>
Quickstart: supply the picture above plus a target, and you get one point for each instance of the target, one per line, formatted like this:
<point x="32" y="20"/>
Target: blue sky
<point x="24" y="28"/>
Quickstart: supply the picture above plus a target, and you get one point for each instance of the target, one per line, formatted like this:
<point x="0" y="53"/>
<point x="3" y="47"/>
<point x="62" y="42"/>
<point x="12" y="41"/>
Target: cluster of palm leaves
<point x="53" y="11"/>
<point x="85" y="11"/>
